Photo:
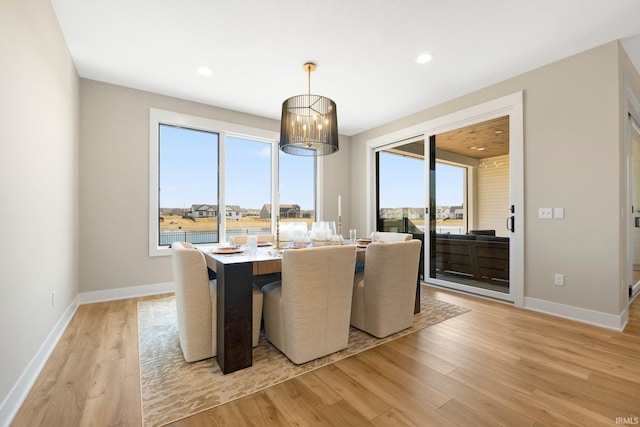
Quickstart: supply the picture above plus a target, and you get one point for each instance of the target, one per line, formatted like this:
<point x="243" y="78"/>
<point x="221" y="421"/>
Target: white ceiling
<point x="364" y="49"/>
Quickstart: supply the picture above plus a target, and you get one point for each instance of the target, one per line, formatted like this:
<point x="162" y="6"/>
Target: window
<point x="210" y="179"/>
<point x="297" y="183"/>
<point x="188" y="194"/>
<point x="401" y="189"/>
<point x="248" y="186"/>
<point x="451" y="209"/>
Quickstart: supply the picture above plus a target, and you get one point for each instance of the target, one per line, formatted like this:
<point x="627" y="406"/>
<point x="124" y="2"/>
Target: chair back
<point x="390" y="276"/>
<point x="388" y="236"/>
<point x="193" y="302"/>
<point x="317" y="288"/>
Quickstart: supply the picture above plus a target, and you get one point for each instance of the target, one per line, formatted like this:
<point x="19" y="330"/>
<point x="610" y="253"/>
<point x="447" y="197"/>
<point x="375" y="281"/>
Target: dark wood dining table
<point x="235" y="275"/>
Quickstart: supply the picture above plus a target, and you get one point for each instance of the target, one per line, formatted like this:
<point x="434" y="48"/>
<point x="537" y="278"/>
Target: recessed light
<point x="424" y="58"/>
<point x="481" y="148"/>
<point x="204" y="71"/>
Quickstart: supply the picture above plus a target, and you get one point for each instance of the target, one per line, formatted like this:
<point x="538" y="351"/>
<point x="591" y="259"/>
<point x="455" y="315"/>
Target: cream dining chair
<point x="384" y="293"/>
<point x="389" y="236"/>
<point x="196" y="304"/>
<point x="306" y="314"/>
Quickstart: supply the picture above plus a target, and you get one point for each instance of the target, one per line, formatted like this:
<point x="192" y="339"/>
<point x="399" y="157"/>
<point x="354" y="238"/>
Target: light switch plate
<point x="545" y="213"/>
<point x="558" y="213"/>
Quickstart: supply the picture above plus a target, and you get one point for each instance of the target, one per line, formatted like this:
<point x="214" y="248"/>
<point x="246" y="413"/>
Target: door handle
<point x="511" y="224"/>
<point x="511" y="221"/>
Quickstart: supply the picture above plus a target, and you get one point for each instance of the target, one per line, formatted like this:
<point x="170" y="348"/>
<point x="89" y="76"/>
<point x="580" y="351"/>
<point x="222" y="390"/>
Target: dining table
<point x="234" y="274"/>
<point x="236" y="271"/>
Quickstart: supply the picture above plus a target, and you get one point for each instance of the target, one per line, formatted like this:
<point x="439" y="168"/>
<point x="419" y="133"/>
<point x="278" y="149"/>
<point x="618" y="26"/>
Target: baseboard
<point x="583" y="315"/>
<point x="124" y="293"/>
<point x="634" y="290"/>
<point x="11" y="404"/>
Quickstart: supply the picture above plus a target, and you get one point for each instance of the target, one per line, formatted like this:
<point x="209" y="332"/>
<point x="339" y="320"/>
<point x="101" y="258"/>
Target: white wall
<point x="38" y="183"/>
<point x="572" y="160"/>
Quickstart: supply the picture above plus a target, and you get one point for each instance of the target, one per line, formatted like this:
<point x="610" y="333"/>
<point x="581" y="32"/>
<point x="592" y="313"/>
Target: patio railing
<point x="202" y="237"/>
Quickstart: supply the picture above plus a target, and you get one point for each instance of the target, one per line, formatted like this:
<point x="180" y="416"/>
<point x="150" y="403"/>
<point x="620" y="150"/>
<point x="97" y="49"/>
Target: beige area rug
<point x="173" y="389"/>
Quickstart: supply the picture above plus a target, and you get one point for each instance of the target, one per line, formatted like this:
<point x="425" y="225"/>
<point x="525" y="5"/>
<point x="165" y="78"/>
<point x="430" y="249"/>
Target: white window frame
<point x="158" y="117"/>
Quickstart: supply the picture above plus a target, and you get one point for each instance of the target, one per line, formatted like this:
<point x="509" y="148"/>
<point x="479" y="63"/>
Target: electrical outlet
<point x="545" y="213"/>
<point x="559" y="279"/>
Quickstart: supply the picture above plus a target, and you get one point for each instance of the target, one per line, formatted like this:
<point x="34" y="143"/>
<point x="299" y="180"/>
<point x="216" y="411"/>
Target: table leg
<point x="234" y="316"/>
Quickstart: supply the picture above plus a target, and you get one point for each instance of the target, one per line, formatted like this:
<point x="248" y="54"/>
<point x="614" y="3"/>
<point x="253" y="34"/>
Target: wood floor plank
<point x="482" y="382"/>
<point x="131" y="350"/>
<point x="104" y="394"/>
<point x="462" y="415"/>
<point x="361" y="398"/>
<point x="583" y="393"/>
<point x="400" y="375"/>
<point x="254" y="410"/>
<point x="418" y="351"/>
<point x="580" y="414"/>
<point x="297" y="403"/>
<point x="495" y="365"/>
<point x="412" y="407"/>
<point x="325" y="392"/>
<point x="504" y="374"/>
<point x="394" y="418"/>
<point x="448" y="385"/>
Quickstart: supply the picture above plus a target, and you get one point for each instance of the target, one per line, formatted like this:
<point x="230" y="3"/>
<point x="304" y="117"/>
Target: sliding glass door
<point x="469" y="233"/>
<point x="400" y="184"/>
<point x="461" y="192"/>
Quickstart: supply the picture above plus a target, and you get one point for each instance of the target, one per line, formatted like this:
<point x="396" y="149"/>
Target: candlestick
<point x="339" y="205"/>
<point x="278" y="231"/>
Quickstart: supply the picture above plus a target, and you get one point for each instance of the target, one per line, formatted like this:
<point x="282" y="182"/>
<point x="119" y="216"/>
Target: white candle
<point x="339" y="205"/>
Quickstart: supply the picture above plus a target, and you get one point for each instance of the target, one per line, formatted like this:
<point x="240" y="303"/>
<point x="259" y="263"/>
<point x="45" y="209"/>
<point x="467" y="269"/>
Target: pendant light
<point x="309" y="124"/>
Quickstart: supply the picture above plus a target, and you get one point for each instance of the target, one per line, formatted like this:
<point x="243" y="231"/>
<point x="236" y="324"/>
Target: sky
<point x="188" y="174"/>
<point x="188" y="165"/>
<point x="402" y="182"/>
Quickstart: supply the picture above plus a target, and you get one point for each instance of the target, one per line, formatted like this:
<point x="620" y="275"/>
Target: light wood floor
<point x="495" y="365"/>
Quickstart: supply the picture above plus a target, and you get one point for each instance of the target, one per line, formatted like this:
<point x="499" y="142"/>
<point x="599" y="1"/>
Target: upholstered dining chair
<point x="306" y="314"/>
<point x="241" y="239"/>
<point x="196" y="304"/>
<point x="384" y="293"/>
<point x="388" y="236"/>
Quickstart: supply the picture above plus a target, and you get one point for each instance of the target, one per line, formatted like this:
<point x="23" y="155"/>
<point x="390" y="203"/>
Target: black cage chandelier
<point x="309" y="124"/>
